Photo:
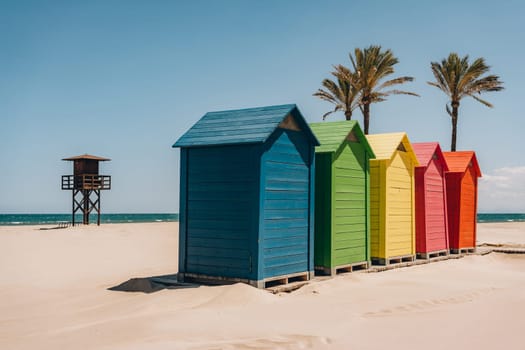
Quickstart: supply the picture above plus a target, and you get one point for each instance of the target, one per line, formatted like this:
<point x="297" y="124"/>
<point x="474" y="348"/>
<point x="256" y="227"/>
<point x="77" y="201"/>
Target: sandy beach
<point x="54" y="295"/>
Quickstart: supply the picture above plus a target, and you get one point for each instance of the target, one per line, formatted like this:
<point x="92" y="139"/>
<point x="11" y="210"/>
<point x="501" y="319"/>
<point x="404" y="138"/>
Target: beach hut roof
<point x="459" y="162"/>
<point x="425" y="151"/>
<point x="386" y="145"/>
<point x="332" y="135"/>
<point x="87" y="156"/>
<point x="251" y="125"/>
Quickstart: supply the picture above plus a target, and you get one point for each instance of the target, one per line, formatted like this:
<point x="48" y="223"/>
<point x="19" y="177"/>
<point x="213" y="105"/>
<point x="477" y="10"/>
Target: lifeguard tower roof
<point x="87" y="156"/>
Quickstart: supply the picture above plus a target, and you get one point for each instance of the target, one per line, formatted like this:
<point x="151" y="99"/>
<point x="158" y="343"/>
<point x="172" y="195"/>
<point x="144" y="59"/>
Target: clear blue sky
<point x="125" y="79"/>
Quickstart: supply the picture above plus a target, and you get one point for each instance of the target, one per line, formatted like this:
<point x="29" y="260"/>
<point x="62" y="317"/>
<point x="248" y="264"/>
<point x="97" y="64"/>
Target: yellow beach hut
<point x="392" y="218"/>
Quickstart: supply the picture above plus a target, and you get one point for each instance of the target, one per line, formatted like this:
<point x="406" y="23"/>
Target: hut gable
<point x="459" y="162"/>
<point x="289" y="123"/>
<point x="428" y="151"/>
<point x="334" y="134"/>
<point x="251" y="125"/>
<point x="386" y="145"/>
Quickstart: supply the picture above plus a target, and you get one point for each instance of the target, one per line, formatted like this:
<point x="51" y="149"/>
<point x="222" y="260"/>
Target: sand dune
<point x="54" y="295"/>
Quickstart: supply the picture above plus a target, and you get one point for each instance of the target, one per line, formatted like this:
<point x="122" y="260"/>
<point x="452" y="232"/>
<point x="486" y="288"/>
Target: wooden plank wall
<point x="323" y="209"/>
<point x="431" y="213"/>
<point x="221" y="197"/>
<point x="467" y="221"/>
<point x="453" y="184"/>
<point x="435" y="216"/>
<point x="349" y="225"/>
<point x="285" y="177"/>
<point x="377" y="206"/>
<point x="421" y="209"/>
<point x="400" y="235"/>
<point x="183" y="211"/>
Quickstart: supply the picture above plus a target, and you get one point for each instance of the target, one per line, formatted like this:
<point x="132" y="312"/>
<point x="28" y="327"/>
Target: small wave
<point x="15" y="222"/>
<point x="510" y="220"/>
<point x="158" y="220"/>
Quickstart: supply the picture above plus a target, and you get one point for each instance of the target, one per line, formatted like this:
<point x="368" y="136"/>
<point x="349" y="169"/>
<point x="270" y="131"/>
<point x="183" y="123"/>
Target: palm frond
<point x="434" y="84"/>
<point x="343" y="92"/>
<point x="449" y="111"/>
<point x="371" y="66"/>
<point x="337" y="108"/>
<point x="486" y="103"/>
<point x="472" y="73"/>
<point x="458" y="78"/>
<point x="396" y="81"/>
<point x="378" y="99"/>
<point x="485" y="84"/>
<point x="324" y="95"/>
<point x="335" y="89"/>
<point x="399" y="92"/>
<point x="441" y="78"/>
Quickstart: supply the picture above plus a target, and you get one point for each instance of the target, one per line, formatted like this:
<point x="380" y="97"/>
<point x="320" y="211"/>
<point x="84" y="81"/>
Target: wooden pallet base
<point x="432" y="255"/>
<point x="266" y="283"/>
<point x="463" y="250"/>
<point x="327" y="271"/>
<point x="285" y="279"/>
<point x="416" y="262"/>
<point x="209" y="280"/>
<point x="289" y="283"/>
<point x="393" y="260"/>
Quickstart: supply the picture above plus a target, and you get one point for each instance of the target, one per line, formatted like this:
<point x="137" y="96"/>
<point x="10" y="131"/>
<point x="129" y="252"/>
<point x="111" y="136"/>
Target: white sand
<point x="508" y="234"/>
<point x="53" y="295"/>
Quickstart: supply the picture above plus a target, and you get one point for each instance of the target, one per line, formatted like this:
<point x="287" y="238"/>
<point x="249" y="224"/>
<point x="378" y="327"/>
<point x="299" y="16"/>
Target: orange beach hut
<point x="462" y="199"/>
<point x="431" y="201"/>
<point x="392" y="227"/>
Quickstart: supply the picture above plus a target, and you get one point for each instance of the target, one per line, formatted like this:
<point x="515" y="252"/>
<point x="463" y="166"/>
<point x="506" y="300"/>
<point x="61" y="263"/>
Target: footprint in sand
<point x="422" y="305"/>
<point x="283" y="342"/>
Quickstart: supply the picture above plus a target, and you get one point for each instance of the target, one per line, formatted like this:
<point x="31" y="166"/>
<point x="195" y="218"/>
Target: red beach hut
<point x="462" y="199"/>
<point x="431" y="201"/>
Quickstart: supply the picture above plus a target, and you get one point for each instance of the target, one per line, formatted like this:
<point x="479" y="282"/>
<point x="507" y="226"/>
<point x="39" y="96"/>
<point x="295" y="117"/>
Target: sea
<point x="50" y="219"/>
<point x="501" y="217"/>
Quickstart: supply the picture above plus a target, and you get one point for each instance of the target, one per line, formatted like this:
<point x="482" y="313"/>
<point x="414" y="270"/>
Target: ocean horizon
<point x="50" y="219"/>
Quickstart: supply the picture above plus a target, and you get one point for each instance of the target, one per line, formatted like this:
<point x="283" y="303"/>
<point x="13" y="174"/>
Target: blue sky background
<point x="125" y="79"/>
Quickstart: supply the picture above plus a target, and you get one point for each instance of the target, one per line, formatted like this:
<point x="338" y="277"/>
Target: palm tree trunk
<point x="455" y="107"/>
<point x="366" y="117"/>
<point x="348" y="115"/>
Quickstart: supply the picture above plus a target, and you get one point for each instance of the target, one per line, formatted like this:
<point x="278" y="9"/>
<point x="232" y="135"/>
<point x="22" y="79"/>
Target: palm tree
<point x="371" y="66"/>
<point x="342" y="93"/>
<point x="457" y="78"/>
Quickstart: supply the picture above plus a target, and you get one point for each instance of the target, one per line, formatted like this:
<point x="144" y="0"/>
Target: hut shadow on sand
<point x="152" y="284"/>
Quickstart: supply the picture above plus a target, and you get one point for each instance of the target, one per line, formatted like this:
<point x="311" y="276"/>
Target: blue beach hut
<point x="247" y="197"/>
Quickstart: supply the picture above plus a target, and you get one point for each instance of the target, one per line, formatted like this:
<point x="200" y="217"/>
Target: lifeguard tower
<point x="86" y="184"/>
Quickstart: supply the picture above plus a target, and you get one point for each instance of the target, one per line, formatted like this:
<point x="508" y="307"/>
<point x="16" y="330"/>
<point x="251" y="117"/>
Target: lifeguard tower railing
<point x="86" y="182"/>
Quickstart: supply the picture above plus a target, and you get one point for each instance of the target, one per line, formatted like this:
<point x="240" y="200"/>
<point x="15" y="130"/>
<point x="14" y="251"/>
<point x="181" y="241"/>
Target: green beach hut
<point x="342" y="197"/>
